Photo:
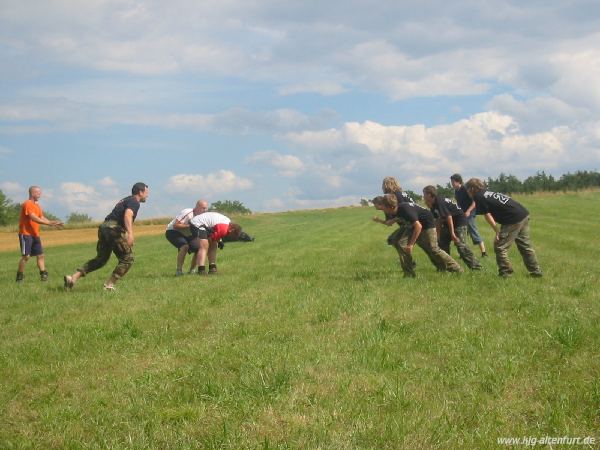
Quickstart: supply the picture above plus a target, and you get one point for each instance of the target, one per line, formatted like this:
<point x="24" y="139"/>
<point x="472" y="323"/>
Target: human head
<point x="390" y="185"/>
<point x="378" y="202"/>
<point x="35" y="192"/>
<point x="141" y="190"/>
<point x="474" y="185"/>
<point x="201" y="207"/>
<point x="234" y="230"/>
<point x="456" y="180"/>
<point x="429" y="195"/>
<point x="389" y="203"/>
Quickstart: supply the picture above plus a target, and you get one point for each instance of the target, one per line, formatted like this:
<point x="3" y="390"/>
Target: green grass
<point x="309" y="337"/>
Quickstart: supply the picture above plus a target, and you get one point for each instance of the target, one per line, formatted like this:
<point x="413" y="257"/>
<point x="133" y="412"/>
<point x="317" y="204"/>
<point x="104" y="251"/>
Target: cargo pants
<point x="462" y="247"/>
<point x="112" y="238"/>
<point x="427" y="240"/>
<point x="519" y="234"/>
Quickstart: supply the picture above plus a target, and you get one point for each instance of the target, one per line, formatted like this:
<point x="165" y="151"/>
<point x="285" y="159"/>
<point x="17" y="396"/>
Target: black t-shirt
<point x="462" y="198"/>
<point x="118" y="212"/>
<point x="503" y="209"/>
<point x="444" y="207"/>
<point x="412" y="212"/>
<point x="401" y="197"/>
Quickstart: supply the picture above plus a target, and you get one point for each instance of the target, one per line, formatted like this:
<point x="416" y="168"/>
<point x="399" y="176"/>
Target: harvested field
<point x="54" y="238"/>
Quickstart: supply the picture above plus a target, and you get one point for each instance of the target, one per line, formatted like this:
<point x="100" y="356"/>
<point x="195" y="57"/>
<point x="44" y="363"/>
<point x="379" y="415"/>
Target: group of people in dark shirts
<point x="434" y="228"/>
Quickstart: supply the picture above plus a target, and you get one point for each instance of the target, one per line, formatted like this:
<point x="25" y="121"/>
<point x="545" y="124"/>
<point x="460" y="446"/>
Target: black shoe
<point x="212" y="269"/>
<point x="20" y="277"/>
<point x="44" y="275"/>
<point x="484" y="255"/>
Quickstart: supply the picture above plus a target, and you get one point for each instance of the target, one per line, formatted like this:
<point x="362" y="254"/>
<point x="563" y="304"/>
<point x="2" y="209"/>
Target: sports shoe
<point x="179" y="273"/>
<point x="109" y="287"/>
<point x="484" y="254"/>
<point x="44" y="275"/>
<point x="20" y="277"/>
<point x="212" y="269"/>
<point x="191" y="271"/>
<point x="68" y="282"/>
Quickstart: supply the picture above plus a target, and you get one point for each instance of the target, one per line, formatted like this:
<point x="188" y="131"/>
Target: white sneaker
<point x="109" y="287"/>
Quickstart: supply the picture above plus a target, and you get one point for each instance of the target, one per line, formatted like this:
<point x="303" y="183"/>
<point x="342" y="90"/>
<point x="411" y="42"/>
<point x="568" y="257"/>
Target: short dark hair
<point x="138" y="187"/>
<point x="457" y="177"/>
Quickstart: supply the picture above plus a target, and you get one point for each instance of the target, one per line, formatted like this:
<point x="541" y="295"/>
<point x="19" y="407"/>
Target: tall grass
<point x="308" y="337"/>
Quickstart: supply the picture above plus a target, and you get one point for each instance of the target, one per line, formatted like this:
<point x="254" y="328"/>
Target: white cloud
<point x="490" y="142"/>
<point x="326" y="88"/>
<point x="286" y="165"/>
<point x="206" y="185"/>
<point x="82" y="198"/>
<point x="13" y="189"/>
<point x="107" y="182"/>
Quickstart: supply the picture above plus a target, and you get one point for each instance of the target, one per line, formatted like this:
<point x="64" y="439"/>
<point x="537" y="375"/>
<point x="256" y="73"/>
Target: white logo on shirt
<point x="500" y="197"/>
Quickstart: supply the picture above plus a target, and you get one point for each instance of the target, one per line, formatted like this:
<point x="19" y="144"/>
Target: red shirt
<point x="26" y="224"/>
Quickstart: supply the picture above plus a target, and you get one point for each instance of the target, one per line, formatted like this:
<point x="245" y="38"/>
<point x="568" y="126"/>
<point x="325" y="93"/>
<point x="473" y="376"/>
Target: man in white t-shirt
<point x="178" y="233"/>
<point x="209" y="228"/>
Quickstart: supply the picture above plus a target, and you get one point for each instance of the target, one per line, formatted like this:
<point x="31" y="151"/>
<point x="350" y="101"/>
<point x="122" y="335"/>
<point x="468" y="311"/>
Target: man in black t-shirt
<point x="115" y="235"/>
<point x="468" y="206"/>
<point x="451" y="225"/>
<point x="421" y="232"/>
<point x="514" y="226"/>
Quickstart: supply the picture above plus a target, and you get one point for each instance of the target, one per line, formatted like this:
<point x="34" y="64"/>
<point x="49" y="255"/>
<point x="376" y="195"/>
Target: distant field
<point x="309" y="337"/>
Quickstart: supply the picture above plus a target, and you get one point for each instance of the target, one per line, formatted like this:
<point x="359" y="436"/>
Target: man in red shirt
<point x="29" y="233"/>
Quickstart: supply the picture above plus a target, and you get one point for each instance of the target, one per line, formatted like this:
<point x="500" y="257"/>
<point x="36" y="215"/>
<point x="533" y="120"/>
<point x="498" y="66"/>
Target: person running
<point x="514" y="226"/>
<point x="451" y="225"/>
<point x="178" y="233"/>
<point x="209" y="228"/>
<point x="422" y="232"/>
<point x="467" y="204"/>
<point x="115" y="235"/>
<point x="30" y="219"/>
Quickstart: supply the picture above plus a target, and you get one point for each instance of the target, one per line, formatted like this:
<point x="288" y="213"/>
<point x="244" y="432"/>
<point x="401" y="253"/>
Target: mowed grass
<point x="309" y="337"/>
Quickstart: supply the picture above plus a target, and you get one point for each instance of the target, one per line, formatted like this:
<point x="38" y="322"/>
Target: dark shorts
<point x="30" y="245"/>
<point x="179" y="240"/>
<point x="201" y="233"/>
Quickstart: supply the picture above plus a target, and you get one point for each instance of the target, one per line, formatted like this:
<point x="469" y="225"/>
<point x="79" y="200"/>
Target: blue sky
<point x="288" y="105"/>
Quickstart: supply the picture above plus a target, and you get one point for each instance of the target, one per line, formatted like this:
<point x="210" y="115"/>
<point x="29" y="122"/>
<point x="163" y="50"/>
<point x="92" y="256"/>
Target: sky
<point x="289" y="105"/>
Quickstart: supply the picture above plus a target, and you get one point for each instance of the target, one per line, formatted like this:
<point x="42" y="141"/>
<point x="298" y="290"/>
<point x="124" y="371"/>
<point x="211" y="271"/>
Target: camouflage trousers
<point x="427" y="240"/>
<point x="519" y="234"/>
<point x="111" y="239"/>
<point x="462" y="247"/>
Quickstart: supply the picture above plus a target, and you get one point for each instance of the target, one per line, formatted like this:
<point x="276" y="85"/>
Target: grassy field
<point x="309" y="337"/>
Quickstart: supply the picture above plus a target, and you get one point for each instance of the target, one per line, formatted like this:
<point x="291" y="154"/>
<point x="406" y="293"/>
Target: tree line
<point x="10" y="211"/>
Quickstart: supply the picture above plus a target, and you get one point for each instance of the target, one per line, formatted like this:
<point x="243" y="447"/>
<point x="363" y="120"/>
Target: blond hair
<point x="390" y="185"/>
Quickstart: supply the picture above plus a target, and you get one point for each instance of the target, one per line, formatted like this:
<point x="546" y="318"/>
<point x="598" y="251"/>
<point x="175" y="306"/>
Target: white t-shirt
<point x="209" y="220"/>
<point x="184" y="217"/>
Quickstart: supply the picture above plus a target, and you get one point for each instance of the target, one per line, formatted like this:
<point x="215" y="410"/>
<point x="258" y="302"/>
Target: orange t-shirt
<point x="26" y="224"/>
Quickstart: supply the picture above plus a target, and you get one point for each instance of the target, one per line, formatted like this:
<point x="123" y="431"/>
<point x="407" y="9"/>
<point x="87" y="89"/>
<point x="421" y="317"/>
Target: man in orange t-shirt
<point x="29" y="233"/>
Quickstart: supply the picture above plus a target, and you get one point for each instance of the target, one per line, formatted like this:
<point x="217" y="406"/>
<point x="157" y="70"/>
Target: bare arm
<point x="42" y="220"/>
<point x="470" y="209"/>
<point x="128" y="220"/>
<point x="417" y="227"/>
<point x="489" y="219"/>
<point x="450" y="222"/>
